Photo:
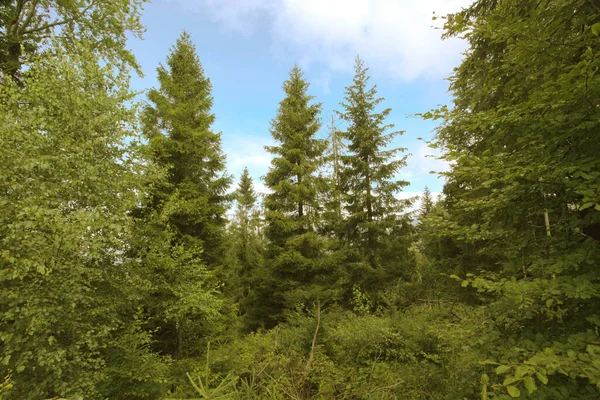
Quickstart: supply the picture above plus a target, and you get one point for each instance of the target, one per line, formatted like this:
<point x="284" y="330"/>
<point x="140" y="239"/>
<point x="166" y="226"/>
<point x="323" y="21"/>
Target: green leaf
<point x="502" y="369"/>
<point x="529" y="384"/>
<point x="513" y="391"/>
<point x="510" y="380"/>
<point x="542" y="378"/>
<point x="596" y="29"/>
<point x="485" y="379"/>
<point x="586" y="205"/>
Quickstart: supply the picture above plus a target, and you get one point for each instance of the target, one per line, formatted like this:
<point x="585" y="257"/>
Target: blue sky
<point x="247" y="48"/>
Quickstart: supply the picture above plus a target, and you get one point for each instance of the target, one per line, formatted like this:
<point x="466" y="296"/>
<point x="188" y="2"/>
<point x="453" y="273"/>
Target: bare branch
<point x="29" y="16"/>
<point x="15" y="25"/>
<point x="47" y="26"/>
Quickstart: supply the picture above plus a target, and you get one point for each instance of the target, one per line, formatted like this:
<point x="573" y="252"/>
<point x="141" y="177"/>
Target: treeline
<point x="130" y="270"/>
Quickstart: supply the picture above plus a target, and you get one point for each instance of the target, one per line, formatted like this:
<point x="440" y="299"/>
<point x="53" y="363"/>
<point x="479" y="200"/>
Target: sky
<point x="247" y="48"/>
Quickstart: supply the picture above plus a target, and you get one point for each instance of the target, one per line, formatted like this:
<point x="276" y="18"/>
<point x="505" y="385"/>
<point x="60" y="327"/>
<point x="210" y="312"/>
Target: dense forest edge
<point x="129" y="269"/>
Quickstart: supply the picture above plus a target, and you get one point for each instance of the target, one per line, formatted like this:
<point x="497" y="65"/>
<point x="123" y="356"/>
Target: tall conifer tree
<point x="178" y="126"/>
<point x="333" y="196"/>
<point x="184" y="228"/>
<point x="369" y="174"/>
<point x="247" y="243"/>
<point x="246" y="227"/>
<point x="246" y="214"/>
<point x="291" y="207"/>
<point x="296" y="258"/>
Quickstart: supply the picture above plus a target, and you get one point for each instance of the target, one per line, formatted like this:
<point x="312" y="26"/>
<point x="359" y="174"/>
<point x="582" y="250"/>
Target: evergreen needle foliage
<point x="374" y="227"/>
<point x="119" y="260"/>
<point x="178" y="124"/>
<point x="297" y="271"/>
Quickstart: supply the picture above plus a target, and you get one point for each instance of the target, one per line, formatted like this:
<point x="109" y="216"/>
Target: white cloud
<point x="396" y="36"/>
<point x="239" y="15"/>
<point x="424" y="160"/>
<point x="249" y="153"/>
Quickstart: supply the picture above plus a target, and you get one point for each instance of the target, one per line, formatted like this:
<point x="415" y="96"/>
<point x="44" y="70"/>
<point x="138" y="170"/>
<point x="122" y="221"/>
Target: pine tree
<point x="368" y="176"/>
<point x="178" y="127"/>
<point x="297" y="271"/>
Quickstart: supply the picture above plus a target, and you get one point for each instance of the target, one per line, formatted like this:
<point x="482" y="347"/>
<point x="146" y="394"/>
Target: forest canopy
<point x="133" y="265"/>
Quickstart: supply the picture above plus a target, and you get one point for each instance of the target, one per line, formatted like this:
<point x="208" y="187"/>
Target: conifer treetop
<point x="245" y="194"/>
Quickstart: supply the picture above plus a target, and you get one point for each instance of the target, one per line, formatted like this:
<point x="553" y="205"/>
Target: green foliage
<point x="5" y="386"/>
<point x="177" y="124"/>
<point x="247" y="228"/>
<point x="111" y="251"/>
<point x="183" y="303"/>
<point x="181" y="225"/>
<point x="519" y="216"/>
<point x="374" y="229"/>
<point x="26" y="26"/>
<point x="299" y="271"/>
<point x="224" y="389"/>
<point x="427" y="204"/>
<point x="69" y="292"/>
<point x="336" y="354"/>
<point x="246" y="250"/>
<point x="292" y="175"/>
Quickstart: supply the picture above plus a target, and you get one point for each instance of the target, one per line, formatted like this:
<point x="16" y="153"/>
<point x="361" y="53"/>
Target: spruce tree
<point x="292" y="177"/>
<point x="427" y="203"/>
<point x="297" y="271"/>
<point x="178" y="124"/>
<point x="183" y="224"/>
<point x="246" y="240"/>
<point x="246" y="198"/>
<point x="369" y="176"/>
<point x="332" y="197"/>
<point x="246" y="219"/>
